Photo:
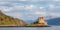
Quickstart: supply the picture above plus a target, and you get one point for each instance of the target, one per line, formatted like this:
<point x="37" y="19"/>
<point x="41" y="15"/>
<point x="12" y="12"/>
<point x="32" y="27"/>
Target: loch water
<point x="31" y="28"/>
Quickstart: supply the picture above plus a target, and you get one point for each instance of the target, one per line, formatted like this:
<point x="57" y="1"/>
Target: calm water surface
<point x="32" y="28"/>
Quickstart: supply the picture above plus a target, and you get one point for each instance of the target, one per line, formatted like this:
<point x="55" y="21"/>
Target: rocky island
<point x="40" y="23"/>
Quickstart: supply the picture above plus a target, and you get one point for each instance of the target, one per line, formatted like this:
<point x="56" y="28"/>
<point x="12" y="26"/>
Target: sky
<point x="30" y="9"/>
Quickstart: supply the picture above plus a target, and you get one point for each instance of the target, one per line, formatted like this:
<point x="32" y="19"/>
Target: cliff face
<point x="10" y="21"/>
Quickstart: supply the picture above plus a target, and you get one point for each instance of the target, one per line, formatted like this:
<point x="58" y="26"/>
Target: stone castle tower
<point x="42" y="22"/>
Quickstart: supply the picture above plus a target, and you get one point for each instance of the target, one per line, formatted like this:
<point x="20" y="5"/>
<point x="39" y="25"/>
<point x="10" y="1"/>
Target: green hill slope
<point x="10" y="21"/>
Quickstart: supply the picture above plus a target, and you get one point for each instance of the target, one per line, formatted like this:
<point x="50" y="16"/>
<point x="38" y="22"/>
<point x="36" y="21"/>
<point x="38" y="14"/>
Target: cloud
<point x="26" y="7"/>
<point x="58" y="7"/>
<point x="51" y="7"/>
<point x="41" y="13"/>
<point x="18" y="7"/>
<point x="54" y="15"/>
<point x="15" y="14"/>
<point x="30" y="7"/>
<point x="29" y="0"/>
<point x="30" y="17"/>
<point x="23" y="0"/>
<point x="35" y="0"/>
<point x="42" y="7"/>
<point x="55" y="0"/>
<point x="5" y="8"/>
<point x="8" y="0"/>
<point x="4" y="2"/>
<point x="45" y="0"/>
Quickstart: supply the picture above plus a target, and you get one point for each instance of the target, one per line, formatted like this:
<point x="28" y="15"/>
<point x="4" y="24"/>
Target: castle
<point x="42" y="22"/>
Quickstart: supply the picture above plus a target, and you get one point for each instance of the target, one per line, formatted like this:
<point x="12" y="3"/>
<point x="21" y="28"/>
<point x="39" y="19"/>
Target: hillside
<point x="54" y="21"/>
<point x="10" y="21"/>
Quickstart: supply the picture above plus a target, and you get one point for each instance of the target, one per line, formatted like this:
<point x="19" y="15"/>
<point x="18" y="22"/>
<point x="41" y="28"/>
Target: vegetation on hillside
<point x="10" y="21"/>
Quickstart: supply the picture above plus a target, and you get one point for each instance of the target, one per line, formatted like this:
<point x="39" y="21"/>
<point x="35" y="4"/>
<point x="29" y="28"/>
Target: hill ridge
<point x="6" y="20"/>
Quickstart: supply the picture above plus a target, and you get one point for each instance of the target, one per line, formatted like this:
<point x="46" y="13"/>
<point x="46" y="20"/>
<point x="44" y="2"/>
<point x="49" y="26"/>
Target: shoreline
<point x="24" y="26"/>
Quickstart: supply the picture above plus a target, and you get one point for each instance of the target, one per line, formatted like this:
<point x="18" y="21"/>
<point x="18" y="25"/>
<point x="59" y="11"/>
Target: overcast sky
<point x="30" y="9"/>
